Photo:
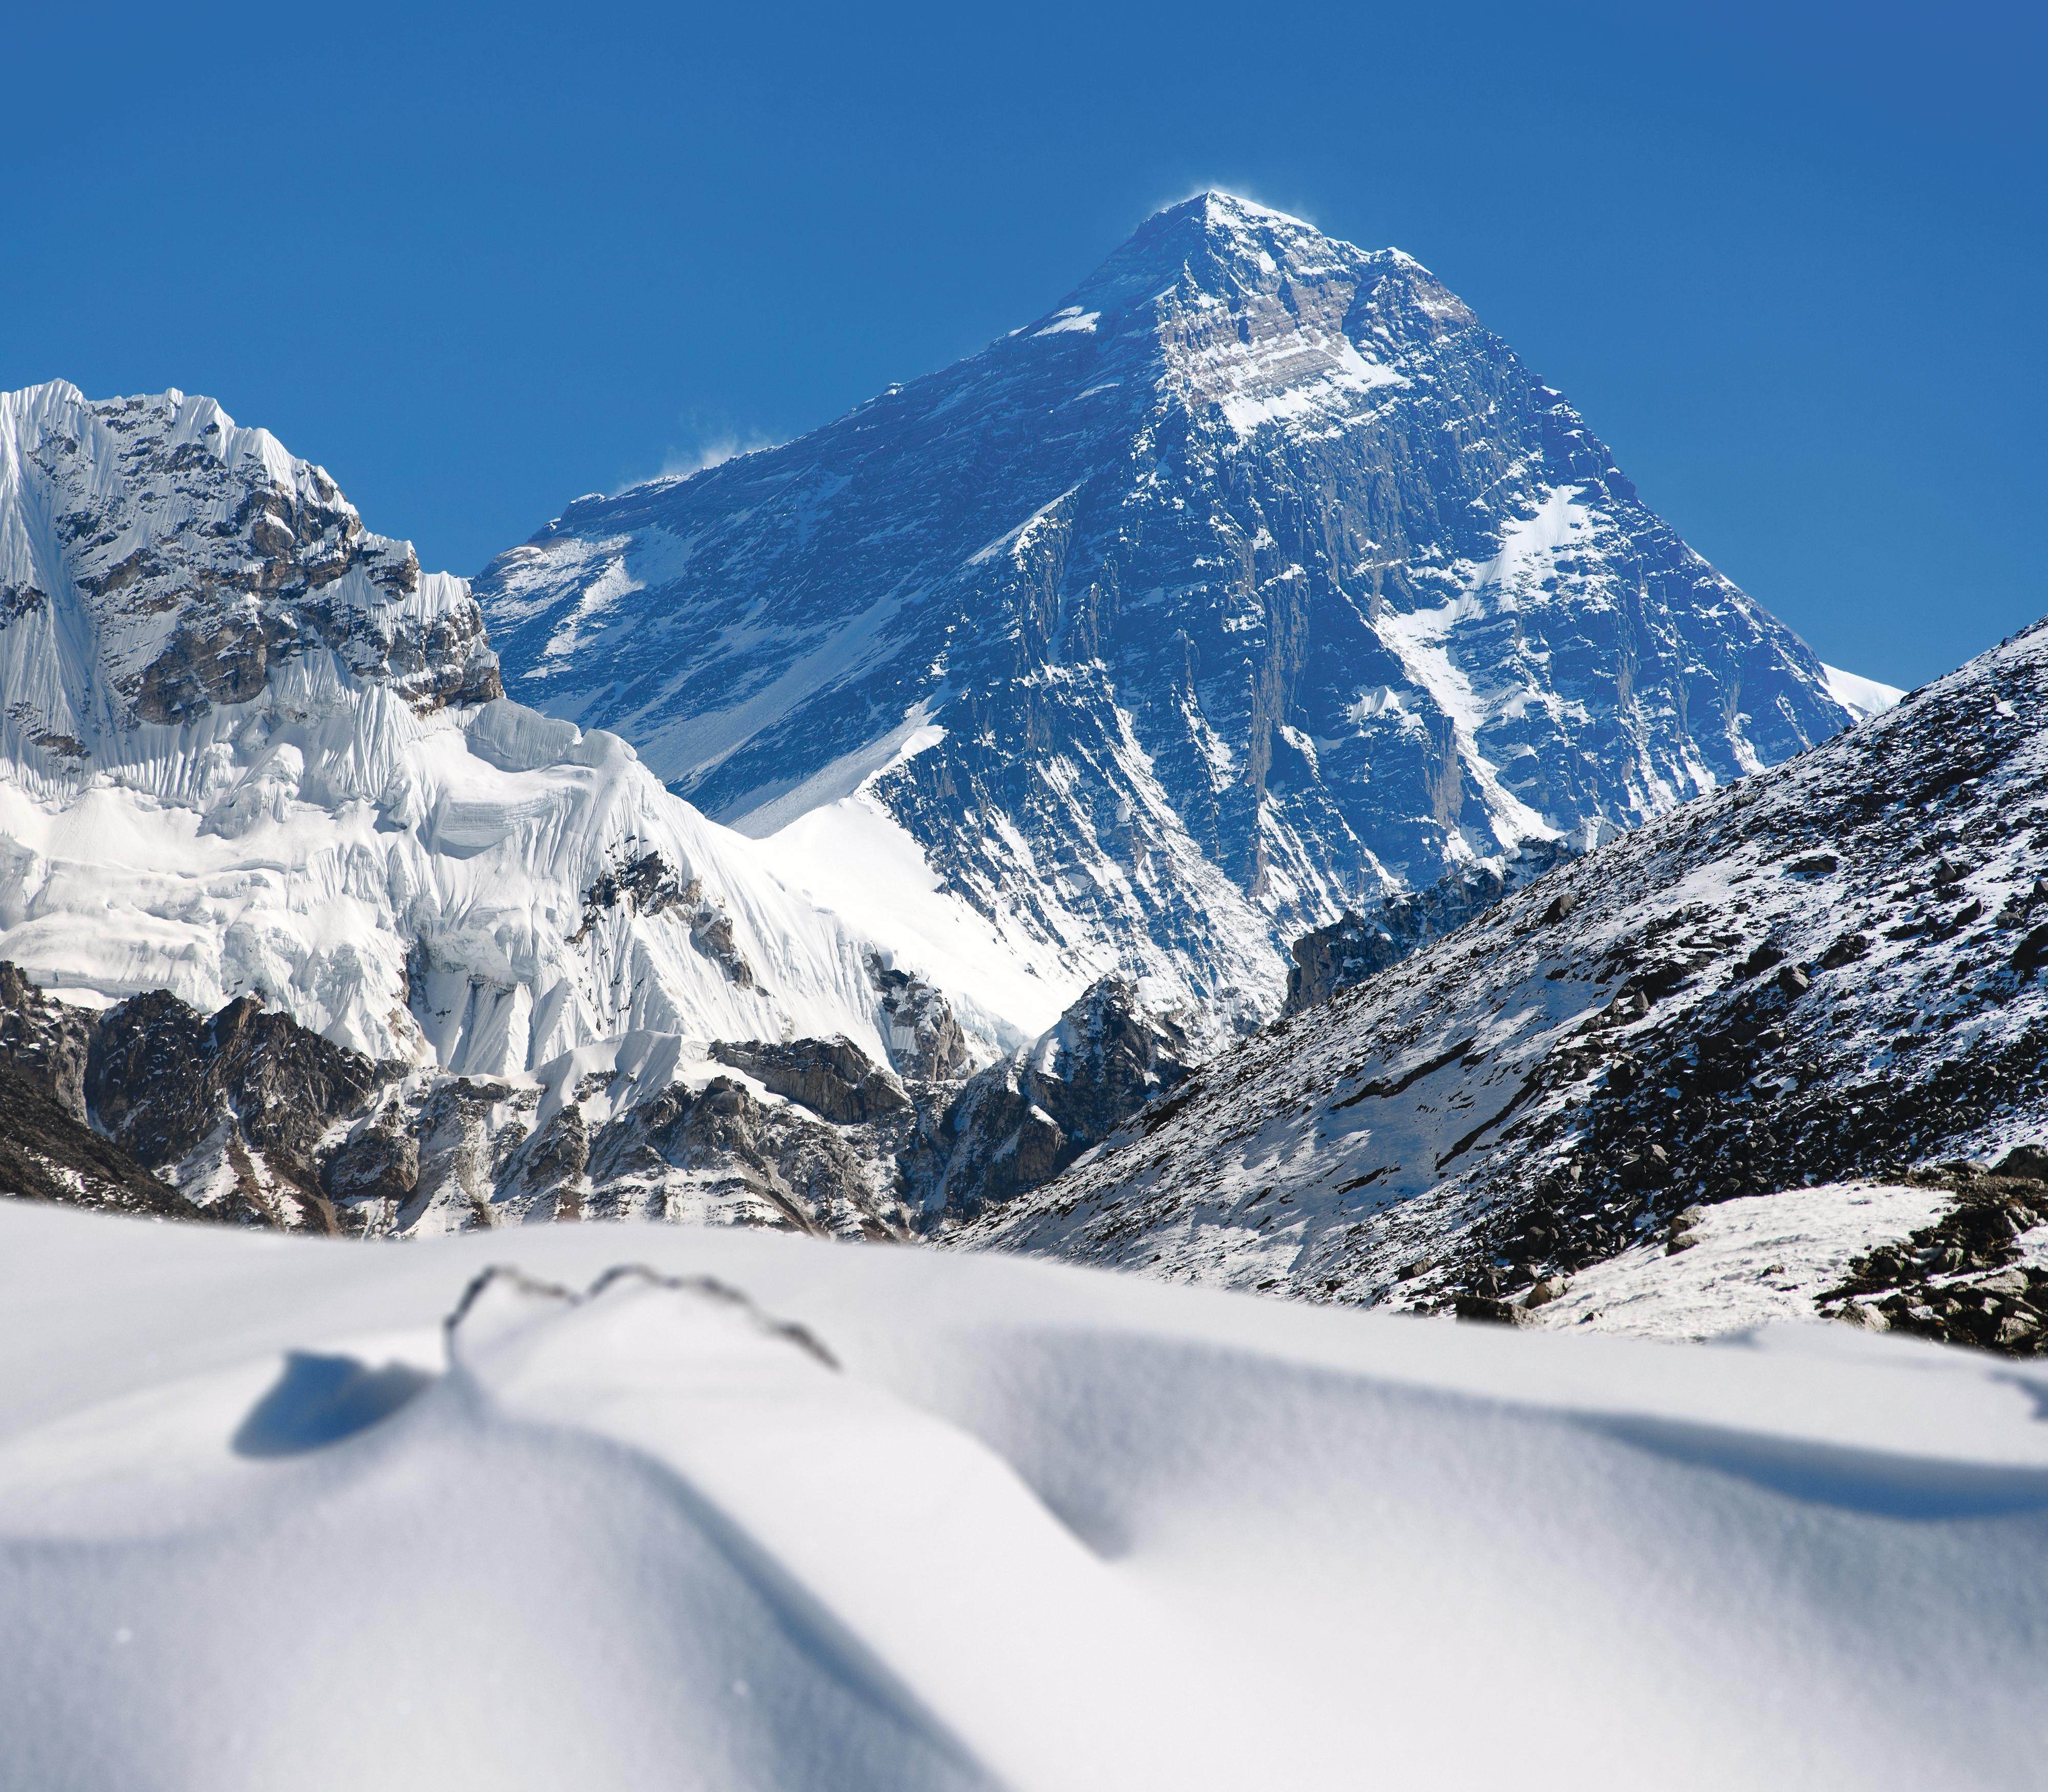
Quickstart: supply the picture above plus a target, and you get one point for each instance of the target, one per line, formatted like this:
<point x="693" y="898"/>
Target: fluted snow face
<point x="250" y="748"/>
<point x="1254" y="579"/>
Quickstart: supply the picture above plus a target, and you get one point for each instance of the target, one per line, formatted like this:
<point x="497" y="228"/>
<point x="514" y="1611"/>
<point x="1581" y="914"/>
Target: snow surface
<point x="1862" y="697"/>
<point x="1760" y="1260"/>
<point x="1039" y="1527"/>
<point x="854" y="860"/>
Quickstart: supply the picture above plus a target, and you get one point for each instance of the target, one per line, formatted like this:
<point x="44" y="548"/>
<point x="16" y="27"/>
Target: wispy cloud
<point x="715" y="450"/>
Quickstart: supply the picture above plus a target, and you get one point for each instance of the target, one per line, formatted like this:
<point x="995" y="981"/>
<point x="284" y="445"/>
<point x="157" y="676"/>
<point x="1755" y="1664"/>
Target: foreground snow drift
<point x="847" y="1518"/>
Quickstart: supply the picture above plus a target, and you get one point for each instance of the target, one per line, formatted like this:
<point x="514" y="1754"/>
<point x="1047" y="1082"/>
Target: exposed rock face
<point x="830" y="1076"/>
<point x="1019" y="1123"/>
<point x="248" y="1117"/>
<point x="924" y="1035"/>
<point x="1256" y="581"/>
<point x="45" y="1042"/>
<point x="47" y="1154"/>
<point x="1355" y="947"/>
<point x="1829" y="973"/>
<point x="163" y="1080"/>
<point x="180" y="562"/>
<point x="232" y="1113"/>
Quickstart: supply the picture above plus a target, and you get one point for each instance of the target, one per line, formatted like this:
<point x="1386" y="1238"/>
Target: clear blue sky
<point x="1788" y="259"/>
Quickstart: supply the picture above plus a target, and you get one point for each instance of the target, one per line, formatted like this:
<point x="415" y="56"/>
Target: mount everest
<point x="1254" y="581"/>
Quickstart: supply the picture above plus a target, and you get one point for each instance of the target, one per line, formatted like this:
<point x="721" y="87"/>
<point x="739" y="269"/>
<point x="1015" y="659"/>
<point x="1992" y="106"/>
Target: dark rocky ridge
<point x="1017" y="1124"/>
<point x="1355" y="947"/>
<point x="48" y="1155"/>
<point x="251" y="1118"/>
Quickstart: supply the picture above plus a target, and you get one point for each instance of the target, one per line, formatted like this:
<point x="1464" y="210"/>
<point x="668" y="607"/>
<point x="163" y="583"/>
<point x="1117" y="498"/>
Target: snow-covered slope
<point x="1831" y="971"/>
<point x="1254" y="581"/>
<point x="250" y="749"/>
<point x="1862" y="697"/>
<point x="977" y="1523"/>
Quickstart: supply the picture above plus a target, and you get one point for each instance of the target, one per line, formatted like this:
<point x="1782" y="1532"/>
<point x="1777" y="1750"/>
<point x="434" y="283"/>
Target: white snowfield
<point x="980" y="1521"/>
<point x="329" y="849"/>
<point x="1759" y="1260"/>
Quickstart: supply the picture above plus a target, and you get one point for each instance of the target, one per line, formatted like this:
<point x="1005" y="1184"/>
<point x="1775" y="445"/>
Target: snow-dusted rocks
<point x="1254" y="581"/>
<point x="252" y="754"/>
<point x="1019" y="1122"/>
<point x="1833" y="971"/>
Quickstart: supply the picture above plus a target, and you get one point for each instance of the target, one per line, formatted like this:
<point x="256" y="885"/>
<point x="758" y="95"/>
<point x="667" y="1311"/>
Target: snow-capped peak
<point x="1862" y="697"/>
<point x="1250" y="582"/>
<point x="249" y="749"/>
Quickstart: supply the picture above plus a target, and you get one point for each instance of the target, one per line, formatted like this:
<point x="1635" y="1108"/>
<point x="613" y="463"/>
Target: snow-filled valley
<point x="848" y="1516"/>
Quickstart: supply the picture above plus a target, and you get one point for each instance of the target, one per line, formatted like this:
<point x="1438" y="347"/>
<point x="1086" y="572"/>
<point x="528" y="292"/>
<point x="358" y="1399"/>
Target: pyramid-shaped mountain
<point x="1254" y="581"/>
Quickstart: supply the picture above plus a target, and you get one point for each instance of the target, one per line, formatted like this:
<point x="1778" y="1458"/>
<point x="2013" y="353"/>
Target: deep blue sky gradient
<point x="1789" y="259"/>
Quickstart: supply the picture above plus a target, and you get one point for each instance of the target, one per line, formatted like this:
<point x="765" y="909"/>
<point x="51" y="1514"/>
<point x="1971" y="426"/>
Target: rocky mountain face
<point x="48" y="1151"/>
<point x="1256" y="581"/>
<point x="1829" y="977"/>
<point x="1019" y="1123"/>
<point x="1355" y="947"/>
<point x="156" y="563"/>
<point x="248" y="1117"/>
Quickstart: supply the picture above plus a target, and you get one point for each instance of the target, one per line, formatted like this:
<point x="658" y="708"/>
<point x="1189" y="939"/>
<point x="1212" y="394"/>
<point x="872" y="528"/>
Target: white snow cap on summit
<point x="1218" y="200"/>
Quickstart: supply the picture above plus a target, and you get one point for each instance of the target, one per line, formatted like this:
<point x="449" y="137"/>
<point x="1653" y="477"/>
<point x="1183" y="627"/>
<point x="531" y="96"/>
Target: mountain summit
<point x="1254" y="581"/>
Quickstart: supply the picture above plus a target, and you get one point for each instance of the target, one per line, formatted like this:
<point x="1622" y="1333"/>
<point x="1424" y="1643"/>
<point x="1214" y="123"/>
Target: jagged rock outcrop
<point x="1355" y="947"/>
<point x="1833" y="971"/>
<point x="243" y="1086"/>
<point x="922" y="1030"/>
<point x="156" y="562"/>
<point x="831" y="1077"/>
<point x="1017" y="1124"/>
<point x="248" y="1117"/>
<point x="1256" y="581"/>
